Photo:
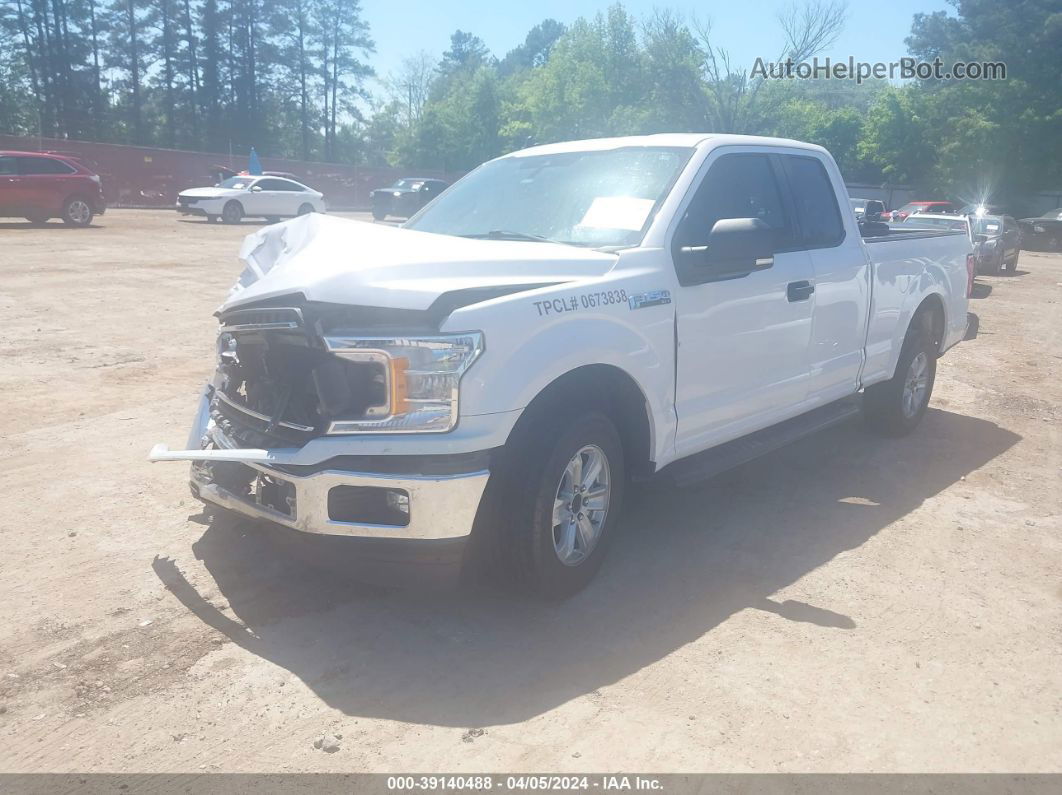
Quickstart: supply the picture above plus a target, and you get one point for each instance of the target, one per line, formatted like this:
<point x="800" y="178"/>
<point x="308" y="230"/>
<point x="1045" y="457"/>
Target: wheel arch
<point x="605" y="387"/>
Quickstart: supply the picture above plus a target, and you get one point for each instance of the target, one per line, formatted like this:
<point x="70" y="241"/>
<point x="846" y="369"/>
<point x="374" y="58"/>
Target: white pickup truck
<point x="481" y="383"/>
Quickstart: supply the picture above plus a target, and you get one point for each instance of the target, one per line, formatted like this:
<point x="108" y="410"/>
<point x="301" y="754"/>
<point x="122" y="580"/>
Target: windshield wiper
<point x="505" y="234"/>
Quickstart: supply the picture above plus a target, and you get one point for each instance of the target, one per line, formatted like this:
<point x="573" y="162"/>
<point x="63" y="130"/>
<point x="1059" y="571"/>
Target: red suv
<point x="38" y="186"/>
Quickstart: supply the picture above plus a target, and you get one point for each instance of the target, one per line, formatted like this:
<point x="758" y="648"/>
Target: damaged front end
<point x="291" y="374"/>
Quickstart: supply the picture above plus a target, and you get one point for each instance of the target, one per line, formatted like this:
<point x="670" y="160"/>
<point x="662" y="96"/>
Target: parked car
<point x="236" y="198"/>
<point x="997" y="243"/>
<point x="560" y="320"/>
<point x="40" y="185"/>
<point x="911" y="208"/>
<point x="405" y="197"/>
<point x="952" y="223"/>
<point x="1043" y="232"/>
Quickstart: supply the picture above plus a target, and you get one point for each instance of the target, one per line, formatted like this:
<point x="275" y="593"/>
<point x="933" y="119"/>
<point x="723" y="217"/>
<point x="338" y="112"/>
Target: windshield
<point x="236" y="183"/>
<point x="403" y="183"/>
<point x="604" y="198"/>
<point x="912" y="208"/>
<point x="986" y="225"/>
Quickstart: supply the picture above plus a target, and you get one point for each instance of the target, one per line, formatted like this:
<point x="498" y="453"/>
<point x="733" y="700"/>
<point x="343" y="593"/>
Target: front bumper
<point x="437" y="506"/>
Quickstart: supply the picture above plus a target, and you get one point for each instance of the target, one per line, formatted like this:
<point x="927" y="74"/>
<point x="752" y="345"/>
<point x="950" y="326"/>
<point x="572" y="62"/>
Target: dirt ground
<point x="847" y="604"/>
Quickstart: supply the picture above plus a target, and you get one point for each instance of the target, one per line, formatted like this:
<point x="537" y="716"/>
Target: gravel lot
<point x="846" y="604"/>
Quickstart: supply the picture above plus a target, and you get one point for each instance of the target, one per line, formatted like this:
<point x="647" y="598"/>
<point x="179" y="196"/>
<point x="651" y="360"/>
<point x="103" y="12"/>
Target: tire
<point x="378" y="215"/>
<point x="232" y="212"/>
<point x="1012" y="266"/>
<point x="77" y="211"/>
<point x="305" y="209"/>
<point x="540" y="544"/>
<point x="895" y="407"/>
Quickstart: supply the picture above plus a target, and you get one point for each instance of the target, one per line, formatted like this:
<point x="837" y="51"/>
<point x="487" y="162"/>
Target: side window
<point x="7" y="166"/>
<point x="736" y="186"/>
<point x="42" y="165"/>
<point x="815" y="201"/>
<point x="283" y="184"/>
<point x="269" y="184"/>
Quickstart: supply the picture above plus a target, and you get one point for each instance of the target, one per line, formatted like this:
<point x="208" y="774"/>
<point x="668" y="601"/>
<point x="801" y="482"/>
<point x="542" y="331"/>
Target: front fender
<point x="528" y="347"/>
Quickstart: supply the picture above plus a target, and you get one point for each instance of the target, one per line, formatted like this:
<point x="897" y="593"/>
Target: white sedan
<point x="267" y="197"/>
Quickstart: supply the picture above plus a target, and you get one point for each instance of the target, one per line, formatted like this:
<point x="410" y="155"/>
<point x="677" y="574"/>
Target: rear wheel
<point x="557" y="498"/>
<point x="232" y="213"/>
<point x="77" y="212"/>
<point x="305" y="209"/>
<point x="896" y="406"/>
<point x="1012" y="266"/>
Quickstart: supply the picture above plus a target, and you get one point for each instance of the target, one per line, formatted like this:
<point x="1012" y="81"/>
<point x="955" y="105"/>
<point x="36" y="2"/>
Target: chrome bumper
<point x="440" y="506"/>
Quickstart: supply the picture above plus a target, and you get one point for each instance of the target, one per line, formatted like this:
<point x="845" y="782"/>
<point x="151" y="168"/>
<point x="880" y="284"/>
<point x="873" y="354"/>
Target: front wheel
<point x="378" y="215"/>
<point x="77" y="212"/>
<point x="232" y="213"/>
<point x="896" y="406"/>
<point x="559" y="503"/>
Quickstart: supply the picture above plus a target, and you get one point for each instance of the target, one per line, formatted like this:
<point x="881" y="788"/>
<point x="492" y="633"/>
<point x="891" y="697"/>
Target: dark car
<point x="40" y="185"/>
<point x="997" y="243"/>
<point x="405" y="197"/>
<point x="1044" y="232"/>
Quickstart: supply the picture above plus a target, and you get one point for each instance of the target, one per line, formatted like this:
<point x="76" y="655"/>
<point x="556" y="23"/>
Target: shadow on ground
<point x="684" y="561"/>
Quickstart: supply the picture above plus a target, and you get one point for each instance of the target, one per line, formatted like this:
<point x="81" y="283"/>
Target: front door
<point x="742" y="342"/>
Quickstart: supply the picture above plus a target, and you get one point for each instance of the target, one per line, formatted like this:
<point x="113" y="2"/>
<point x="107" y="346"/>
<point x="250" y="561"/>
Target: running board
<point x="717" y="460"/>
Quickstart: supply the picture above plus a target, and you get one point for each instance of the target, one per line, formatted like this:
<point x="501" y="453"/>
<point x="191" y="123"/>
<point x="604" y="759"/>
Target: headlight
<point x="414" y="381"/>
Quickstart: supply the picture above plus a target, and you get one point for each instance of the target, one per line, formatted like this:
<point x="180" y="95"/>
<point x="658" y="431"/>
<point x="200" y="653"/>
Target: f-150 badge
<point x="651" y="298"/>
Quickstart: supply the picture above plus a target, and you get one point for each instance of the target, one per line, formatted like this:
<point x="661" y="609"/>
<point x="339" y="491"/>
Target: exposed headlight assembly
<point x="414" y="382"/>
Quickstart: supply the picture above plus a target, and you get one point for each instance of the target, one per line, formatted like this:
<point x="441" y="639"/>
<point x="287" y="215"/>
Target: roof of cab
<point x="688" y="140"/>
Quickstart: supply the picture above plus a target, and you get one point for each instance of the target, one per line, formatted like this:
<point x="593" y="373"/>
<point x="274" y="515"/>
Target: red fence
<point x="140" y="176"/>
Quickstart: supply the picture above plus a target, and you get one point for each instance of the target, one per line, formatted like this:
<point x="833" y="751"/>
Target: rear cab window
<point x="818" y="218"/>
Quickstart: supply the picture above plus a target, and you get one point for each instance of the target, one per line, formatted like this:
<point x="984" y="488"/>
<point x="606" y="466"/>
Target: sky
<point x="748" y="28"/>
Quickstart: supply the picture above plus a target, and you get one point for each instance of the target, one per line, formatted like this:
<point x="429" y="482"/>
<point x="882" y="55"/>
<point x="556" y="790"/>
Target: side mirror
<point x="256" y="189"/>
<point x="737" y="247"/>
<point x="874" y="210"/>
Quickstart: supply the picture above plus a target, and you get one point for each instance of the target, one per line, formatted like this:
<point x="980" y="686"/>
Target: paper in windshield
<point x="617" y="212"/>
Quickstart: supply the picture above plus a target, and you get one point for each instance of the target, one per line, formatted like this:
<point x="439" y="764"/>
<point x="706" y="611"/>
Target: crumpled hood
<point x="342" y="261"/>
<point x="208" y="193"/>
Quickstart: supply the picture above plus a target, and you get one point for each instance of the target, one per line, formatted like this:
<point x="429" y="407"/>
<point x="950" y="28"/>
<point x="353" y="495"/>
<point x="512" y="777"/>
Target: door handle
<point x="799" y="291"/>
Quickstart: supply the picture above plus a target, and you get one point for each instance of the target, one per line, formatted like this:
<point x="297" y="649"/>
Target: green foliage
<point x="290" y="77"/>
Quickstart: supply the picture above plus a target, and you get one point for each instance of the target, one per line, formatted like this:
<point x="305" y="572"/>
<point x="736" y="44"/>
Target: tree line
<point x="292" y="77"/>
<point x="288" y="75"/>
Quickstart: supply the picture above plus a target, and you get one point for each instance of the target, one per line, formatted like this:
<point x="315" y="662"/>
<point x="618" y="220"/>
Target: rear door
<point x="742" y="359"/>
<point x="842" y="277"/>
<point x="275" y="198"/>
